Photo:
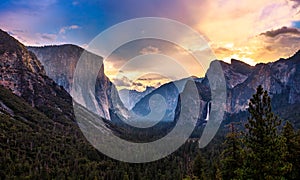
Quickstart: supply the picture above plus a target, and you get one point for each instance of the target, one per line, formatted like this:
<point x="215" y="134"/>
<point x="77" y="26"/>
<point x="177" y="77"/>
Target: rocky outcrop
<point x="280" y="78"/>
<point x="60" y="63"/>
<point x="23" y="74"/>
<point x="236" y="72"/>
<point x="131" y="97"/>
<point x="169" y="92"/>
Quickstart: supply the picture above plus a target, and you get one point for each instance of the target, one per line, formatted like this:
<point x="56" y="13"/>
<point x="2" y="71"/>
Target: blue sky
<point x="61" y="21"/>
<point x="251" y="31"/>
<point x="296" y="24"/>
<point x="77" y="21"/>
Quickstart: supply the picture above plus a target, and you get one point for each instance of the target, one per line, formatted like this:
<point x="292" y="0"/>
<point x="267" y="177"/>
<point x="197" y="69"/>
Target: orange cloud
<point x="246" y="30"/>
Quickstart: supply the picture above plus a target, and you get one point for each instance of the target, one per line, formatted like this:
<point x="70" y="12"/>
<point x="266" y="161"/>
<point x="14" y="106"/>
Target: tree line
<point x="263" y="148"/>
<point x="32" y="146"/>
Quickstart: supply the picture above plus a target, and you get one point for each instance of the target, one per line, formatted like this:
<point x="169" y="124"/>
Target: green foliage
<point x="45" y="144"/>
<point x="265" y="149"/>
<point x="293" y="148"/>
<point x="34" y="146"/>
<point x="261" y="151"/>
<point x="231" y="157"/>
<point x="199" y="166"/>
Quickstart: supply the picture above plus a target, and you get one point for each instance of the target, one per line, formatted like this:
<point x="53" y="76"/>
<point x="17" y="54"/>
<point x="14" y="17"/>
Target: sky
<point x="251" y="31"/>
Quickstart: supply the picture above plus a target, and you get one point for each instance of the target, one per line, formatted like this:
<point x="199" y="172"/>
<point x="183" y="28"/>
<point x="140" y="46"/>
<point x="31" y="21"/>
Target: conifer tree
<point x="265" y="148"/>
<point x="293" y="148"/>
<point x="231" y="159"/>
<point x="199" y="167"/>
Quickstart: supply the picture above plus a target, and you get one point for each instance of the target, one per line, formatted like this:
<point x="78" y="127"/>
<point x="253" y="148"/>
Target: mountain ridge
<point x="280" y="78"/>
<point x="60" y="62"/>
<point x="23" y="74"/>
<point x="241" y="81"/>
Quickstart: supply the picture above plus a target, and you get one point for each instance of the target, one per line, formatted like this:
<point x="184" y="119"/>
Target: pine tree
<point x="199" y="167"/>
<point x="265" y="148"/>
<point x="293" y="148"/>
<point x="231" y="159"/>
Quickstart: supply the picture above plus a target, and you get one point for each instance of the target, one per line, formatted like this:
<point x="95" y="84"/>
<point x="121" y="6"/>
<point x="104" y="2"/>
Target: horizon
<point x="119" y="88"/>
<point x="161" y="84"/>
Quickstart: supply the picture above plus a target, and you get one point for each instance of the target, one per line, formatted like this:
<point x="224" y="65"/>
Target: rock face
<point x="23" y="74"/>
<point x="60" y="63"/>
<point x="131" y="97"/>
<point x="169" y="92"/>
<point x="281" y="79"/>
<point x="236" y="72"/>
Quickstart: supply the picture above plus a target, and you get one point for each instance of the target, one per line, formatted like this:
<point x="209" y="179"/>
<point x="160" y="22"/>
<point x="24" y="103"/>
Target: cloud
<point x="222" y="50"/>
<point x="282" y="45"/>
<point x="296" y="3"/>
<point x="34" y="39"/>
<point x="151" y="77"/>
<point x="283" y="30"/>
<point x="140" y="84"/>
<point x="29" y="24"/>
<point x="50" y="37"/>
<point x="252" y="31"/>
<point x="150" y="50"/>
<point x="64" y="29"/>
<point x="237" y="22"/>
<point x="123" y="81"/>
<point x="137" y="84"/>
<point x="267" y="47"/>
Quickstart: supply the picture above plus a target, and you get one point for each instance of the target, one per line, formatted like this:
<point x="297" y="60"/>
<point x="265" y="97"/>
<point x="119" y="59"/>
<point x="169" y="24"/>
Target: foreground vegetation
<point x="35" y="146"/>
<point x="263" y="150"/>
<point x="261" y="147"/>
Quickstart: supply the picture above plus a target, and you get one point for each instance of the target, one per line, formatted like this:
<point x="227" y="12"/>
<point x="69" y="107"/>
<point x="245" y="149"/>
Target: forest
<point x="33" y="146"/>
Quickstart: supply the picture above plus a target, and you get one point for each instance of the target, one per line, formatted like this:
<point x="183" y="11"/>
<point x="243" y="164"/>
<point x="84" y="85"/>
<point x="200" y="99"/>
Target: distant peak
<point x="238" y="62"/>
<point x="57" y="46"/>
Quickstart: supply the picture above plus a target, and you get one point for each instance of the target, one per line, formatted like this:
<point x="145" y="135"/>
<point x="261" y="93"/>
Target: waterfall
<point x="207" y="113"/>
